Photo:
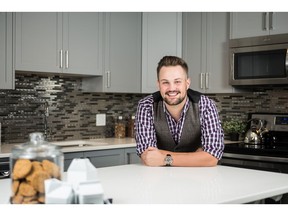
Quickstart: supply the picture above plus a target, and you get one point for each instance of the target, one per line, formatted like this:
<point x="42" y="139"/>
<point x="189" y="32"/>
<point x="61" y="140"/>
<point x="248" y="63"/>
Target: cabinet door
<point x="161" y="36"/>
<point x="247" y="24"/>
<point x="251" y="24"/>
<point x="6" y="68"/>
<point x="82" y="43"/>
<point x="104" y="158"/>
<point x="131" y="156"/>
<point x="217" y="53"/>
<point x="193" y="48"/>
<point x="123" y="53"/>
<point x="38" y="41"/>
<point x="278" y="22"/>
<point x="68" y="157"/>
<point x="205" y="49"/>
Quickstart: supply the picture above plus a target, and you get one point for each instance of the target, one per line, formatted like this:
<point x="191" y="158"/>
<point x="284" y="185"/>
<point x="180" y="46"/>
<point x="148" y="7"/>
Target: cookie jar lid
<point x="36" y="147"/>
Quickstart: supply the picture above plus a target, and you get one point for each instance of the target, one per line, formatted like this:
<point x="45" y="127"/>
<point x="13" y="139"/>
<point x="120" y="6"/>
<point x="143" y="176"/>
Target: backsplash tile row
<point x="72" y="113"/>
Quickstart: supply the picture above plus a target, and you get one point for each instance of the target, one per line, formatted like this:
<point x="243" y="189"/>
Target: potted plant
<point x="234" y="127"/>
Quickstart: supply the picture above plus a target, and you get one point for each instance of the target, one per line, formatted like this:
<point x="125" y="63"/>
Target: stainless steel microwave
<point x="259" y="60"/>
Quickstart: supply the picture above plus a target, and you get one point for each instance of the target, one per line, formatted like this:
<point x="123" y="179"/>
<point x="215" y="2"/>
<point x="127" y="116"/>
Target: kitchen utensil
<point x="253" y="135"/>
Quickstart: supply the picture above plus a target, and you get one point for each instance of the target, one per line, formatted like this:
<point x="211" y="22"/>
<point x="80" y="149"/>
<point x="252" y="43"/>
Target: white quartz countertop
<point x="80" y="145"/>
<point x="132" y="184"/>
<point x="85" y="145"/>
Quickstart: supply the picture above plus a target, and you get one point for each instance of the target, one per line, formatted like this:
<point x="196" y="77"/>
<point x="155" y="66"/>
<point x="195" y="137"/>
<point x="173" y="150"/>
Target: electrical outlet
<point x="100" y="119"/>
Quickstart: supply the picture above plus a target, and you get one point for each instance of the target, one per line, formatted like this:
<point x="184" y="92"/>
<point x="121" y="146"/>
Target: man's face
<point x="173" y="84"/>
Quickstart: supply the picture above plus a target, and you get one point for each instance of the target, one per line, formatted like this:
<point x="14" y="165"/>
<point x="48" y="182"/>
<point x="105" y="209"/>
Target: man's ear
<point x="188" y="81"/>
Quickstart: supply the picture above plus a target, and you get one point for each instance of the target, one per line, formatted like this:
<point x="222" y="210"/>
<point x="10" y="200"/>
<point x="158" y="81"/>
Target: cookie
<point x="22" y="168"/>
<point x="41" y="198"/>
<point x="26" y="189"/>
<point x="15" y="186"/>
<point x="18" y="199"/>
<point x="51" y="168"/>
<point x="36" y="166"/>
<point x="38" y="180"/>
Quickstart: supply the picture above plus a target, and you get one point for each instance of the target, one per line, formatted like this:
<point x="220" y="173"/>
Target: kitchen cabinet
<point x="131" y="156"/>
<point x="250" y="24"/>
<point x="104" y="158"/>
<point x="66" y="43"/>
<point x="6" y="56"/>
<point x="68" y="157"/>
<point x="205" y="49"/>
<point x="161" y="36"/>
<point x="122" y="51"/>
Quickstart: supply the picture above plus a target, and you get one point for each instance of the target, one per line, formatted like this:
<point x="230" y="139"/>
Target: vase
<point x="234" y="136"/>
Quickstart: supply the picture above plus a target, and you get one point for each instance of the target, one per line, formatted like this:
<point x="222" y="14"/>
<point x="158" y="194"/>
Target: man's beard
<point x="173" y="102"/>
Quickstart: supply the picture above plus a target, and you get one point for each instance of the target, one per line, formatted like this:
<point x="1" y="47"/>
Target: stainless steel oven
<point x="271" y="154"/>
<point x="259" y="60"/>
<point x="4" y="168"/>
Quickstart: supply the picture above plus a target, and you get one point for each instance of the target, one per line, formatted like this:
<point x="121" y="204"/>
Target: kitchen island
<point x="139" y="184"/>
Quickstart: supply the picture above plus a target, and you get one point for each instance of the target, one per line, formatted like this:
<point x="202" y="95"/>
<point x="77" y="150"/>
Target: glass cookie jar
<point x="31" y="164"/>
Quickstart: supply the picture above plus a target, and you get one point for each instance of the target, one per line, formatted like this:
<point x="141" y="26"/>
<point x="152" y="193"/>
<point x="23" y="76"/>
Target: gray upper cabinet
<point x="161" y="36"/>
<point x="38" y="42"/>
<point x="59" y="42"/>
<point x="82" y="43"/>
<point x="6" y="58"/>
<point x="250" y="24"/>
<point x="205" y="49"/>
<point x="122" y="39"/>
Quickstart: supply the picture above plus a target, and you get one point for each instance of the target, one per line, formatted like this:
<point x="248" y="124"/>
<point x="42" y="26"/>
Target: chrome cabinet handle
<point x="66" y="59"/>
<point x="271" y="20"/>
<point x="61" y="58"/>
<point x="286" y="61"/>
<point x="201" y="80"/>
<point x="264" y="21"/>
<point x="108" y="79"/>
<point x="207" y="80"/>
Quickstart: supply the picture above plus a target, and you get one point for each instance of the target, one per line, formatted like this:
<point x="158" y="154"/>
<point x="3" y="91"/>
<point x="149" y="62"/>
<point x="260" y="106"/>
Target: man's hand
<point x="153" y="157"/>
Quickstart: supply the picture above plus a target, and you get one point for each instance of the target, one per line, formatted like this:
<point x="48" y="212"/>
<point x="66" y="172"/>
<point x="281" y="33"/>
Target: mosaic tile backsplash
<point x="72" y="113"/>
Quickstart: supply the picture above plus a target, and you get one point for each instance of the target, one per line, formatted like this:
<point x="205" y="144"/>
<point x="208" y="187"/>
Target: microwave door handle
<point x="286" y="61"/>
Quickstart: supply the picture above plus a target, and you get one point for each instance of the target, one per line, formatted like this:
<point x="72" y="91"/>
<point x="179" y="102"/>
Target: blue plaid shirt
<point x="212" y="136"/>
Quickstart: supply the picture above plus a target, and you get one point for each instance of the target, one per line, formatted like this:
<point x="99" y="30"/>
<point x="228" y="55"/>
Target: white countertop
<point x="132" y="184"/>
<point x="99" y="144"/>
<point x="94" y="144"/>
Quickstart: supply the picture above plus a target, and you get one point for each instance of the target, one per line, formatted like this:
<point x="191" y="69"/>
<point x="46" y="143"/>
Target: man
<point x="177" y="126"/>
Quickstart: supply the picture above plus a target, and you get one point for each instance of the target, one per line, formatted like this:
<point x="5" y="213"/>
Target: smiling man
<point x="177" y="126"/>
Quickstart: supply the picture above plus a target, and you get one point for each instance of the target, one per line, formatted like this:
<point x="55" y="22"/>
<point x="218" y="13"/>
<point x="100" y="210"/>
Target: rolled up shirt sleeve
<point x="145" y="135"/>
<point x="212" y="138"/>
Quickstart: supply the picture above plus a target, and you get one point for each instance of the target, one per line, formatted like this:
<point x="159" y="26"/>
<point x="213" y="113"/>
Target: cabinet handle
<point x="271" y="20"/>
<point x="207" y="80"/>
<point x="201" y="80"/>
<point x="108" y="79"/>
<point x="66" y="59"/>
<point x="264" y="21"/>
<point x="286" y="61"/>
<point x="61" y="58"/>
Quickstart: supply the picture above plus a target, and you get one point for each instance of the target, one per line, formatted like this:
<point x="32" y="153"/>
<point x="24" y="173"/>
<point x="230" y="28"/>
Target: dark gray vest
<point x="190" y="139"/>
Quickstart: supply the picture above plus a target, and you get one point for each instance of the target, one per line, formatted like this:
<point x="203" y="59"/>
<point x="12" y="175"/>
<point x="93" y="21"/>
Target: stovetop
<point x="275" y="150"/>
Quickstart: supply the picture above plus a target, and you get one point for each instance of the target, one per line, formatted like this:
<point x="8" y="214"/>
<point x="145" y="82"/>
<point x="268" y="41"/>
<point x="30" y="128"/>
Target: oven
<point x="270" y="154"/>
<point x="4" y="168"/>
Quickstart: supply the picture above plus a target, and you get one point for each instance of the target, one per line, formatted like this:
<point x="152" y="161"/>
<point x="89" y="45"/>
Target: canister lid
<point x="36" y="147"/>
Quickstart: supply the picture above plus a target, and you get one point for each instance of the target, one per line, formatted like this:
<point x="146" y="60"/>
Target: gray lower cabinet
<point x="68" y="157"/>
<point x="105" y="158"/>
<point x="131" y="156"/>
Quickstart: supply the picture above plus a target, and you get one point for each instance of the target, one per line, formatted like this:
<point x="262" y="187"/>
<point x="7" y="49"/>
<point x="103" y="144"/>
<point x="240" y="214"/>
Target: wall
<point x="72" y="112"/>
